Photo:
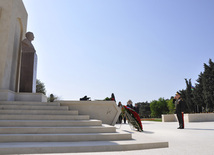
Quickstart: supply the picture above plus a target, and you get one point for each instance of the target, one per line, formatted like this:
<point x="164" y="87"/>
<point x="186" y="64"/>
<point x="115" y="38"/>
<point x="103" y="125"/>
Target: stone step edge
<point x="37" y="111"/>
<point x="49" y="123"/>
<point x="57" y="130"/>
<point x="74" y="137"/>
<point x="66" y="134"/>
<point x="78" y="147"/>
<point x="28" y="103"/>
<point x="101" y="126"/>
<point x="54" y="110"/>
<point x="26" y="120"/>
<point x="41" y="115"/>
<point x="30" y="107"/>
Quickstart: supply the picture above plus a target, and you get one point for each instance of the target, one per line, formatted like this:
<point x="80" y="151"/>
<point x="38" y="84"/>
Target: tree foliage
<point x="171" y="106"/>
<point x="189" y="96"/>
<point x="200" y="98"/>
<point x="208" y="85"/>
<point x="40" y="87"/>
<point x="158" y="107"/>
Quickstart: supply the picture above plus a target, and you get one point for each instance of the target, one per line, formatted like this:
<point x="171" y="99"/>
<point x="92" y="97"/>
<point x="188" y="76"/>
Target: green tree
<point x="189" y="96"/>
<point x="158" y="107"/>
<point x="202" y="96"/>
<point x="171" y="106"/>
<point x="198" y="95"/>
<point x="154" y="108"/>
<point x="208" y="86"/>
<point x="40" y="87"/>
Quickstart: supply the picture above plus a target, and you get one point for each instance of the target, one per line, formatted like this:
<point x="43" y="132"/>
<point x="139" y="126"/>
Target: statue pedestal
<point x="28" y="72"/>
<point x="8" y="95"/>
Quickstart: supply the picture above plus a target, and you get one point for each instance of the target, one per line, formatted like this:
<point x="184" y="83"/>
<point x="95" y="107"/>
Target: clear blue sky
<point x="137" y="49"/>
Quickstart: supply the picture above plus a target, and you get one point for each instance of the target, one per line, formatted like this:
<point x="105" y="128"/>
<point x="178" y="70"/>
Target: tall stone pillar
<point x="13" y="23"/>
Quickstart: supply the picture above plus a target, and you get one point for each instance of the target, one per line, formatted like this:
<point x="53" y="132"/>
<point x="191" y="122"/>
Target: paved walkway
<point x="195" y="139"/>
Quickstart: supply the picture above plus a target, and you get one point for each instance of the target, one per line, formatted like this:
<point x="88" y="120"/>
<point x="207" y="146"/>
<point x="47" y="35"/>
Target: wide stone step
<point x="74" y="147"/>
<point x="64" y="137"/>
<point x="32" y="107"/>
<point x="57" y="130"/>
<point x="29" y="103"/>
<point x="44" y="117"/>
<point x="40" y="112"/>
<point x="49" y="123"/>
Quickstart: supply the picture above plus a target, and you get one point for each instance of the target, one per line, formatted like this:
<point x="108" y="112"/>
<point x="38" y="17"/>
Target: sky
<point x="137" y="49"/>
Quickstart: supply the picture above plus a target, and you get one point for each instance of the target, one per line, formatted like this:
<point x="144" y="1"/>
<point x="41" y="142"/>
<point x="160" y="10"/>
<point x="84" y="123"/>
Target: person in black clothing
<point x="179" y="104"/>
<point x="120" y="117"/>
<point x="129" y="104"/>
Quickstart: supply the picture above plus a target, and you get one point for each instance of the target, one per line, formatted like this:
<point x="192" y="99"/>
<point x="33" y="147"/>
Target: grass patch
<point x="152" y="119"/>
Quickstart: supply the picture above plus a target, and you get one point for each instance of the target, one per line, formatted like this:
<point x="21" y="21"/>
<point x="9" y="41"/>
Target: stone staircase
<point x="36" y="127"/>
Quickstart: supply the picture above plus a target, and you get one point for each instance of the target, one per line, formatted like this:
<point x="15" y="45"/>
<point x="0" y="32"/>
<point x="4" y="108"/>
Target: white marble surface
<point x="13" y="23"/>
<point x="195" y="139"/>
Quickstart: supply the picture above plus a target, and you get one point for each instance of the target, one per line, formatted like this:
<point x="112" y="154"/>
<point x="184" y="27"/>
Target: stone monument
<point x="13" y="25"/>
<point x="28" y="65"/>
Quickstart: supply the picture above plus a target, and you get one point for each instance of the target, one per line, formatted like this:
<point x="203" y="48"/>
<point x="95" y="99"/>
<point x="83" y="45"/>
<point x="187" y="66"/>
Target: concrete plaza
<point x="196" y="139"/>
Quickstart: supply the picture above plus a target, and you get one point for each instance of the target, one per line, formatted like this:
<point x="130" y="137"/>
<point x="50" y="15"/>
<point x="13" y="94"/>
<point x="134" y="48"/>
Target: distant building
<point x="144" y="109"/>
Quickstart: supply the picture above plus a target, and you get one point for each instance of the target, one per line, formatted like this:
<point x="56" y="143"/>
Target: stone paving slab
<point x="195" y="139"/>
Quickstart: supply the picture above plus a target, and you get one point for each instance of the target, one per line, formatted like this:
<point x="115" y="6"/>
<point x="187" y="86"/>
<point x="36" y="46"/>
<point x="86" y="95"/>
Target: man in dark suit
<point x="179" y="104"/>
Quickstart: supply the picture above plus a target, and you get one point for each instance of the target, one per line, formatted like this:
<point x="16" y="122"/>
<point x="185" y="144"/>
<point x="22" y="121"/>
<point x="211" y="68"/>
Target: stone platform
<point x="195" y="139"/>
<point x="8" y="95"/>
<point x="38" y="127"/>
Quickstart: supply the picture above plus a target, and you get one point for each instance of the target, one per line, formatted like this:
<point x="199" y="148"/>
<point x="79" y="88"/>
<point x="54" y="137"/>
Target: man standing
<point x="179" y="104"/>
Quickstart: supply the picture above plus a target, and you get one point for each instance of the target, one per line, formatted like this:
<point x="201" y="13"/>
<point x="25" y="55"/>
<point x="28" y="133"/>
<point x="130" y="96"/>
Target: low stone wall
<point x="201" y="117"/>
<point x="169" y="118"/>
<point x="197" y="117"/>
<point x="106" y="111"/>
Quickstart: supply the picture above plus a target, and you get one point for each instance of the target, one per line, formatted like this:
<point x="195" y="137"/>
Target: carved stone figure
<point x="27" y="46"/>
<point x="0" y="12"/>
<point x="28" y="65"/>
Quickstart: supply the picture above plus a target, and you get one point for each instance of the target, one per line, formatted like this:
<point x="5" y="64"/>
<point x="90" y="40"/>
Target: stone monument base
<point x="8" y="95"/>
<point x="106" y="111"/>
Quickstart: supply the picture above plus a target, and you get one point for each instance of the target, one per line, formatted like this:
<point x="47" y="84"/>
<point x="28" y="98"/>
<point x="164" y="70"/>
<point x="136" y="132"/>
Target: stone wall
<point x="198" y="117"/>
<point x="106" y="111"/>
<point x="13" y="23"/>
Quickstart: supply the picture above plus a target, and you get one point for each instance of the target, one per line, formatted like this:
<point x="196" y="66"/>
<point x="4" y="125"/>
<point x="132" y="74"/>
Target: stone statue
<point x="27" y="46"/>
<point x="0" y="12"/>
<point x="28" y="65"/>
